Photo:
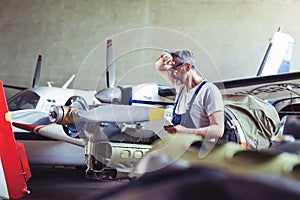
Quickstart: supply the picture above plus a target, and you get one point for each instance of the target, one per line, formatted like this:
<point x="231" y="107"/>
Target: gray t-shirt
<point x="208" y="101"/>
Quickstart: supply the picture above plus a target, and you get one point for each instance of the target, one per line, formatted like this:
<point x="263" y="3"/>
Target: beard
<point x="179" y="81"/>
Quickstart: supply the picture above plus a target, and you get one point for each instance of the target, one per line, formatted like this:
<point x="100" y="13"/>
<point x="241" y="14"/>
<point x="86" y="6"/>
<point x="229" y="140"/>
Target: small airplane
<point x="116" y="140"/>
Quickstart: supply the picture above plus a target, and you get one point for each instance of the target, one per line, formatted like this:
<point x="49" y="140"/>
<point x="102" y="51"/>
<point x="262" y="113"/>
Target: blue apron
<point x="185" y="119"/>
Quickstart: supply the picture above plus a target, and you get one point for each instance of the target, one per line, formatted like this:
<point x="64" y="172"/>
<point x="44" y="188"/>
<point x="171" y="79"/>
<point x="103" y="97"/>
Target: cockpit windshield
<point x="24" y="100"/>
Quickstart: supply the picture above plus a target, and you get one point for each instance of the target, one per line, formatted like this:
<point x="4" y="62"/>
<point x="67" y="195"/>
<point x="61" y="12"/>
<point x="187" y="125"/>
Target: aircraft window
<point x="24" y="100"/>
<point x="51" y="100"/>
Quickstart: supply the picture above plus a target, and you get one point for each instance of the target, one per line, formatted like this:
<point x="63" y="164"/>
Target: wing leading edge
<point x="271" y="87"/>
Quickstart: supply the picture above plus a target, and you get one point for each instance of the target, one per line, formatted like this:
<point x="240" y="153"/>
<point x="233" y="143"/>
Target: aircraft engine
<point x="116" y="136"/>
<point x="64" y="115"/>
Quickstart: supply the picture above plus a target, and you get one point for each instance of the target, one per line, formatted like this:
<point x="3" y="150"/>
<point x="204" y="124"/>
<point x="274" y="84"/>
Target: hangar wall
<point x="234" y="34"/>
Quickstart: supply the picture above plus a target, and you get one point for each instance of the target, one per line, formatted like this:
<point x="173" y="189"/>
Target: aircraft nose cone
<point x="53" y="114"/>
<point x="109" y="95"/>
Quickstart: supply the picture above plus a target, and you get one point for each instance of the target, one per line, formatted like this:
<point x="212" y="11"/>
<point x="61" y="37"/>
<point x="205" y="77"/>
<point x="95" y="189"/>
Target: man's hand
<point x="162" y="64"/>
<point x="175" y="129"/>
<point x="165" y="61"/>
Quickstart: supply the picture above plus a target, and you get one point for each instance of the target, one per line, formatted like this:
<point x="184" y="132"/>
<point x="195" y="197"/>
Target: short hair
<point x="184" y="56"/>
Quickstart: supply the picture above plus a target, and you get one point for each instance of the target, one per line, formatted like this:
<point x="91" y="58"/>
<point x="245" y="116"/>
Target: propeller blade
<point x="121" y="114"/>
<point x="28" y="116"/>
<point x="110" y="64"/>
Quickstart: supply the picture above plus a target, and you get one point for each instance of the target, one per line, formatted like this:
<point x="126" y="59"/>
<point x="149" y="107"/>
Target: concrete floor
<point x="64" y="183"/>
<point x="69" y="183"/>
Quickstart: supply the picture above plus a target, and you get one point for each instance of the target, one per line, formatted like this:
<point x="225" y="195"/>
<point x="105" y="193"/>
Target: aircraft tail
<point x="36" y="78"/>
<point x="37" y="72"/>
<point x="14" y="167"/>
<point x="278" y="56"/>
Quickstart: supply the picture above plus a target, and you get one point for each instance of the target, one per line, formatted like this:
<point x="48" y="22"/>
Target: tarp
<point x="259" y="120"/>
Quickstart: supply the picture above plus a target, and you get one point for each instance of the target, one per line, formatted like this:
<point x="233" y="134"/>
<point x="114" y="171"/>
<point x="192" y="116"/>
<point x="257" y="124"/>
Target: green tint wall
<point x="235" y="34"/>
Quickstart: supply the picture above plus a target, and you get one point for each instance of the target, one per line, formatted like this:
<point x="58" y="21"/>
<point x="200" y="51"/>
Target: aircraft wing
<point x="271" y="87"/>
<point x="52" y="131"/>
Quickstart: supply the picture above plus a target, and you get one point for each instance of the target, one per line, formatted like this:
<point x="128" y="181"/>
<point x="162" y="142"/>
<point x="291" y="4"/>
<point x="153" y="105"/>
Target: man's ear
<point x="187" y="67"/>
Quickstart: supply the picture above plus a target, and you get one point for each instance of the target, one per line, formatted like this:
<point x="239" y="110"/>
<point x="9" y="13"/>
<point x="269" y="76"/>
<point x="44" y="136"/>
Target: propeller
<point x="111" y="93"/>
<point x="110" y="64"/>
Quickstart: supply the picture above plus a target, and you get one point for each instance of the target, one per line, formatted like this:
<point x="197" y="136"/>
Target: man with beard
<point x="198" y="107"/>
